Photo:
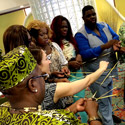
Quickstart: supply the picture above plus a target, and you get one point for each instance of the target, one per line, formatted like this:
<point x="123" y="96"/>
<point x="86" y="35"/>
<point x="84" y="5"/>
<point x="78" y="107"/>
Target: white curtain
<point x="46" y="10"/>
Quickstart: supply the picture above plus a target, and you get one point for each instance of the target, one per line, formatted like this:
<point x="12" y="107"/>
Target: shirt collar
<point x="89" y="31"/>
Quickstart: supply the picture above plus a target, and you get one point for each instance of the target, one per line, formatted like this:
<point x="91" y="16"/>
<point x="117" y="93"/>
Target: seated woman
<point x="15" y="36"/>
<point x="63" y="36"/>
<point x="22" y="83"/>
<point x="56" y="91"/>
<point x="41" y="34"/>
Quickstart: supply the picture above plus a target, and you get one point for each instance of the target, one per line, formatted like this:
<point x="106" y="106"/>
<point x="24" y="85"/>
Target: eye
<point x="40" y="34"/>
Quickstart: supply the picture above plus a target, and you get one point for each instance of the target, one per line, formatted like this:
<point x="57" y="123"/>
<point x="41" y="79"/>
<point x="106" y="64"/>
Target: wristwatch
<point x="94" y="119"/>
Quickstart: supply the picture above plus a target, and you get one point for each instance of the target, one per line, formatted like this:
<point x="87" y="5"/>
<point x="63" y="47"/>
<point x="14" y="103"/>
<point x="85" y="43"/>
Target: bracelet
<point x="94" y="119"/>
<point x="68" y="109"/>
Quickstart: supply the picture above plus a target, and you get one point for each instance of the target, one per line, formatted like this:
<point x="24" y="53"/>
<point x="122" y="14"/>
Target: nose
<point x="46" y="36"/>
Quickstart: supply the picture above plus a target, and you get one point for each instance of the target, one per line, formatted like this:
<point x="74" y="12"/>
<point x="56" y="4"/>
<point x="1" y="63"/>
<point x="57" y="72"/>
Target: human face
<point x="43" y="37"/>
<point x="45" y="63"/>
<point x="40" y="86"/>
<point x="90" y="17"/>
<point x="64" y="28"/>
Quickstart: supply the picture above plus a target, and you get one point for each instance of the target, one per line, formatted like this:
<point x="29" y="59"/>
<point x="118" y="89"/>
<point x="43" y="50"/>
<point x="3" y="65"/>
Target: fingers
<point x="103" y="65"/>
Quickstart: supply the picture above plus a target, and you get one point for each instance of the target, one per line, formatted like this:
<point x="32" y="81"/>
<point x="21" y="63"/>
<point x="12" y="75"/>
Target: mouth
<point x="46" y="41"/>
<point x="93" y="21"/>
<point x="65" y="33"/>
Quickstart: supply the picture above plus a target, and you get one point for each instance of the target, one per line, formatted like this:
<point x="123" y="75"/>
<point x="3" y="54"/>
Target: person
<point x="22" y="83"/>
<point x="95" y="42"/>
<point x="63" y="36"/>
<point x="14" y="36"/>
<point x="41" y="34"/>
<point x="122" y="39"/>
<point x="55" y="92"/>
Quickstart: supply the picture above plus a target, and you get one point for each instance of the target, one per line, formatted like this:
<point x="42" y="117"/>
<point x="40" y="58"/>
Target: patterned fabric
<point x="48" y="102"/>
<point x="122" y="38"/>
<point x="53" y="117"/>
<point x="16" y="66"/>
<point x="68" y="50"/>
<point x="57" y="58"/>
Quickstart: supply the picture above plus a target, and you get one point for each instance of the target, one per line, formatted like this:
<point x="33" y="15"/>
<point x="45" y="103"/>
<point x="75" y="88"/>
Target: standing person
<point x="122" y="38"/>
<point x="94" y="41"/>
<point x="41" y="34"/>
<point x="63" y="36"/>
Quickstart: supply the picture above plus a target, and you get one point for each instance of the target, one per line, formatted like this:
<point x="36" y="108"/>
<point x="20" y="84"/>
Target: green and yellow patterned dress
<point x="45" y="117"/>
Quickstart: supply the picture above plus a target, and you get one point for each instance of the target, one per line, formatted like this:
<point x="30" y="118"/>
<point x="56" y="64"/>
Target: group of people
<point x="41" y="72"/>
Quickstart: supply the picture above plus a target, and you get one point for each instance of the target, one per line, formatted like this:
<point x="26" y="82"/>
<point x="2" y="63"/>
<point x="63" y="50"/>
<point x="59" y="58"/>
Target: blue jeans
<point x="105" y="105"/>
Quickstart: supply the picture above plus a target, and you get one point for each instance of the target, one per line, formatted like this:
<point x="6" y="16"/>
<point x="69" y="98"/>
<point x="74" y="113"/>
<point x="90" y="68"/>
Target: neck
<point x="47" y="48"/>
<point x="92" y="27"/>
<point x="17" y="102"/>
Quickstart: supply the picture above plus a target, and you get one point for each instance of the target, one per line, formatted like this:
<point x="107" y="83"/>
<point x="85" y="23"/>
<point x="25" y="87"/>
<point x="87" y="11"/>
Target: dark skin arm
<point x="86" y="105"/>
<point x="109" y="44"/>
<point x="76" y="64"/>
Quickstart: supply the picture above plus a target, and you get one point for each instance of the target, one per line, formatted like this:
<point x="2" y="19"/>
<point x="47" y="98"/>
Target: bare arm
<point x="68" y="89"/>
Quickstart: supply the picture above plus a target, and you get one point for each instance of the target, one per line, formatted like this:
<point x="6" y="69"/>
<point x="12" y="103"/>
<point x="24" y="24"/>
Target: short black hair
<point x="86" y="8"/>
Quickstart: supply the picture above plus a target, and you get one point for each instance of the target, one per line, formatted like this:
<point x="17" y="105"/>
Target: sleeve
<point x="48" y="102"/>
<point x="84" y="48"/>
<point x="62" y="57"/>
<point x="114" y="35"/>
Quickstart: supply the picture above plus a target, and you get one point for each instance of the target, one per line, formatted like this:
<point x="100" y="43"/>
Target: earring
<point x="36" y="90"/>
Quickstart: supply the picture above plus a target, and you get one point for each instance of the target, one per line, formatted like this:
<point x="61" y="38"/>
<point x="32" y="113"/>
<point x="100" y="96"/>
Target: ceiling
<point x="10" y="5"/>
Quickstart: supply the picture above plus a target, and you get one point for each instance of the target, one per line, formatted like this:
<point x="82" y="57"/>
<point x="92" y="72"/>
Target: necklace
<point x="25" y="109"/>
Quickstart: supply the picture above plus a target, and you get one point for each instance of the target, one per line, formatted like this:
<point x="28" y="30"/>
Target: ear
<point x="32" y="85"/>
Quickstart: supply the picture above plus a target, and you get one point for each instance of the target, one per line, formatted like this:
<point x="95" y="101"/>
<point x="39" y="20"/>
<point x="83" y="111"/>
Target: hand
<point x="58" y="74"/>
<point x="109" y="44"/>
<point x="61" y="80"/>
<point x="122" y="49"/>
<point x="79" y="58"/>
<point x="91" y="108"/>
<point x="117" y="46"/>
<point x="65" y="70"/>
<point x="103" y="65"/>
<point x="78" y="106"/>
<point x="74" y="64"/>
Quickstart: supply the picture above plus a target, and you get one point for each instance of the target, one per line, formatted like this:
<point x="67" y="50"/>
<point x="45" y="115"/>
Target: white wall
<point x="9" y="5"/>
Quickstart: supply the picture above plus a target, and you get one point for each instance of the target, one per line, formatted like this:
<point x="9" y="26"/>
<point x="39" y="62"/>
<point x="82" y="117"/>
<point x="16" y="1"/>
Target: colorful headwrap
<point x="15" y="66"/>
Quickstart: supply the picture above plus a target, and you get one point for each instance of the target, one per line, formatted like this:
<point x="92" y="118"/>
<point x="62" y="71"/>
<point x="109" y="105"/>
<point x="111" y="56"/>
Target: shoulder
<point x="102" y="24"/>
<point x="82" y="29"/>
<point x="55" y="45"/>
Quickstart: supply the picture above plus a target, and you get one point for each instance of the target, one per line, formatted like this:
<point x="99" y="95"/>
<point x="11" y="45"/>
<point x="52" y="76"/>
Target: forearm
<point x="79" y="85"/>
<point x="95" y="122"/>
<point x="68" y="89"/>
